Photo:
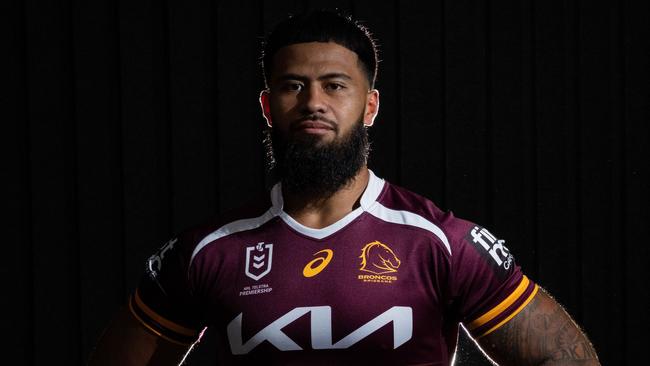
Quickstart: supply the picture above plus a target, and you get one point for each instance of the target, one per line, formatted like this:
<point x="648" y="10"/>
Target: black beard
<point x="315" y="171"/>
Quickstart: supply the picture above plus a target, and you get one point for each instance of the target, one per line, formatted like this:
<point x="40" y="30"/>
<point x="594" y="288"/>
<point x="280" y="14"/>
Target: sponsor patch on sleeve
<point x="155" y="262"/>
<point x="492" y="249"/>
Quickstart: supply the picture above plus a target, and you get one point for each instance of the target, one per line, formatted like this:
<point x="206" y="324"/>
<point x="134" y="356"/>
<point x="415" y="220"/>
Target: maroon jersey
<point x="387" y="284"/>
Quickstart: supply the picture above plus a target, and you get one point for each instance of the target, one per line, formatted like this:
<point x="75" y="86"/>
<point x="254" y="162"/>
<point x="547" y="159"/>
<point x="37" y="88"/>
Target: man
<point x="337" y="266"/>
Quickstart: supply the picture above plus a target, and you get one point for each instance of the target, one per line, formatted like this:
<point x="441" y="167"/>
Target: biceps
<point x="541" y="332"/>
<point x="127" y="342"/>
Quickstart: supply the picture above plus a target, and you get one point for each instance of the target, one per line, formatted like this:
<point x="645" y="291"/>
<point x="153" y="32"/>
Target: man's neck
<point x="321" y="212"/>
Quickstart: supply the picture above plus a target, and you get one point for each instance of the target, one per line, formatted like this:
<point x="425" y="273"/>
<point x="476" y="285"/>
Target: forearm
<point x="541" y="334"/>
<point x="126" y="343"/>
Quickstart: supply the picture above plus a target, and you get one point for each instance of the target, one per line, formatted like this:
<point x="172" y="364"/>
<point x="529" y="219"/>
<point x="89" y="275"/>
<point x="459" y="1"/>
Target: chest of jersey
<point x="372" y="289"/>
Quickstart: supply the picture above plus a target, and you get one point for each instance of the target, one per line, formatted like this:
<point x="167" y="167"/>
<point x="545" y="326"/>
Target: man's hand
<point x="541" y="334"/>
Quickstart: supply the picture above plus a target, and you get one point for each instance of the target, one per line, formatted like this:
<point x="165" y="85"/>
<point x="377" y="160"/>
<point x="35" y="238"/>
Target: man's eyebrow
<point x="335" y="75"/>
<point x="332" y="75"/>
<point x="285" y="77"/>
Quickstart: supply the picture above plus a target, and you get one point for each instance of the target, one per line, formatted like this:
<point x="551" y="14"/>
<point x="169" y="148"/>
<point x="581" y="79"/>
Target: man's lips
<point x="314" y="126"/>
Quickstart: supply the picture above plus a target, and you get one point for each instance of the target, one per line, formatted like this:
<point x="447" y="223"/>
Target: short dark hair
<point x="322" y="26"/>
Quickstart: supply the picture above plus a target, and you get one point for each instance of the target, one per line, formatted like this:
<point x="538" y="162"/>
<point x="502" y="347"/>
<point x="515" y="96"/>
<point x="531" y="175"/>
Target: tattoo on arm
<point x="541" y="334"/>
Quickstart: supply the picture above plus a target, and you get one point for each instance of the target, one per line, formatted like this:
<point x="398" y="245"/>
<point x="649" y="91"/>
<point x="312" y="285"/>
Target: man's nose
<point x="314" y="100"/>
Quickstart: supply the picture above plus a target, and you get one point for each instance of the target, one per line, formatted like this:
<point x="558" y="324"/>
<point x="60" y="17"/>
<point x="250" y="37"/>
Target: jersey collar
<point x="368" y="199"/>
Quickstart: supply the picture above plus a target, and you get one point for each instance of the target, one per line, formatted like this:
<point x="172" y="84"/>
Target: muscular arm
<point x="541" y="334"/>
<point x="126" y="342"/>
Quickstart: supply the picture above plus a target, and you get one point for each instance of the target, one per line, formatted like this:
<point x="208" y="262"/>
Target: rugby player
<point x="336" y="266"/>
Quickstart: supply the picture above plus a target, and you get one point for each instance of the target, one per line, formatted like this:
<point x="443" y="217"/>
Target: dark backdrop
<point x="126" y="121"/>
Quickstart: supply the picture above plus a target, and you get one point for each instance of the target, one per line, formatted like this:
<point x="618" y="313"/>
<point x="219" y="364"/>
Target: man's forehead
<point x="316" y="57"/>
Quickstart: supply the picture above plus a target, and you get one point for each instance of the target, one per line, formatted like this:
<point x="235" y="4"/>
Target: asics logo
<point x="316" y="265"/>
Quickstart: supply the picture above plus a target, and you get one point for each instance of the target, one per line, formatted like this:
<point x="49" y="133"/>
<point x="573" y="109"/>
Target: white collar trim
<point x="368" y="199"/>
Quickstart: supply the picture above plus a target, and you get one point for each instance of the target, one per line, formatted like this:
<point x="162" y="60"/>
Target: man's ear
<point x="372" y="107"/>
<point x="266" y="107"/>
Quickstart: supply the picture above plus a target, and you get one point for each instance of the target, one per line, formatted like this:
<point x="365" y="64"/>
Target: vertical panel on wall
<point x="145" y="132"/>
<point x="333" y="5"/>
<point x="16" y="268"/>
<point x="636" y="131"/>
<point x="465" y="108"/>
<point x="192" y="94"/>
<point x="467" y="123"/>
<point x="528" y="258"/>
<point x="599" y="103"/>
<point x="421" y="88"/>
<point x="53" y="172"/>
<point x="99" y="181"/>
<point x="512" y="159"/>
<point x="382" y="17"/>
<point x="192" y="40"/>
<point x="274" y="12"/>
<point x="555" y="119"/>
<point x="239" y="117"/>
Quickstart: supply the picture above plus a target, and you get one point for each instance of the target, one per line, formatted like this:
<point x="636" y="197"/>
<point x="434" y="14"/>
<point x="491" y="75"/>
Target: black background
<point x="126" y="121"/>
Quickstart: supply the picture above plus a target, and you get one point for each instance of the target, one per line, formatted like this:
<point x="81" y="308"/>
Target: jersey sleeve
<point x="164" y="301"/>
<point x="488" y="287"/>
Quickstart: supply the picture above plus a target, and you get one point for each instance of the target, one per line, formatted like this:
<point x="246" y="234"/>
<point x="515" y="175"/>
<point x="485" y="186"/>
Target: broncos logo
<point x="378" y="258"/>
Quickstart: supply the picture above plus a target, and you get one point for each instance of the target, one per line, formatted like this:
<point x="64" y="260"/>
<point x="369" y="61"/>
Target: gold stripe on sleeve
<point x="162" y="321"/>
<point x="153" y="330"/>
<point x="502" y="306"/>
<point x="532" y="294"/>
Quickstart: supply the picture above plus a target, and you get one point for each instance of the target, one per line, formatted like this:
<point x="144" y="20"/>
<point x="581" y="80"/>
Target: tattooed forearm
<point x="541" y="334"/>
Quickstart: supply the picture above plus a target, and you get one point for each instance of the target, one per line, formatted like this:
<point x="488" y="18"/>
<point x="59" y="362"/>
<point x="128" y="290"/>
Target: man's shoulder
<point x="253" y="209"/>
<point x="402" y="199"/>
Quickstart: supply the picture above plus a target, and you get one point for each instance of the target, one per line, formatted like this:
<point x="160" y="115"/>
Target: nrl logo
<point x="259" y="259"/>
<point x="378" y="258"/>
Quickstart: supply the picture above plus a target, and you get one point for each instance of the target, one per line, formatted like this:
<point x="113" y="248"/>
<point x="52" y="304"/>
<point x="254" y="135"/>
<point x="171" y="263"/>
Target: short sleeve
<point x="487" y="284"/>
<point x="164" y="301"/>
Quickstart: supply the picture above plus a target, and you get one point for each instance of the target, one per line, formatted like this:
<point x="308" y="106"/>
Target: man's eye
<point x="334" y="86"/>
<point x="292" y="87"/>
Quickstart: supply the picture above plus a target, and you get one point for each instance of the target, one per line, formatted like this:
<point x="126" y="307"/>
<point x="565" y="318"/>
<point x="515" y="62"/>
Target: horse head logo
<point x="378" y="258"/>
